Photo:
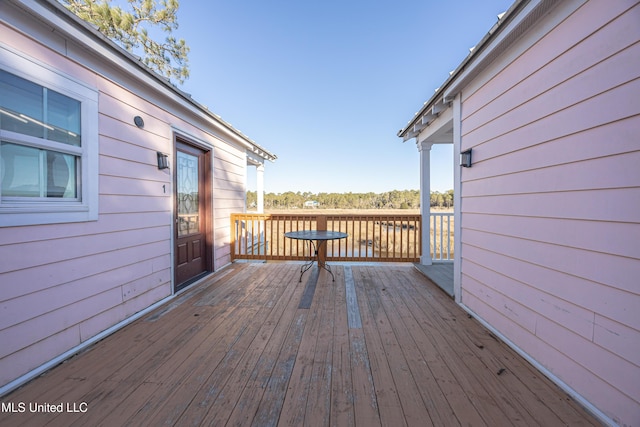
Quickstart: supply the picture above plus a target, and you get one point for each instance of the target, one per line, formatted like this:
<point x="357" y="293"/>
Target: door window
<point x="188" y="194"/>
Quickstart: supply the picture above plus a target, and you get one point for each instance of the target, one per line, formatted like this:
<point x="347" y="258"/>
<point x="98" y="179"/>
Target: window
<point x="48" y="146"/>
<point x="37" y="171"/>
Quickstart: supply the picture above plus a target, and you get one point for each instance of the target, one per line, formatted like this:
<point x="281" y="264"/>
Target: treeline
<point x="405" y="199"/>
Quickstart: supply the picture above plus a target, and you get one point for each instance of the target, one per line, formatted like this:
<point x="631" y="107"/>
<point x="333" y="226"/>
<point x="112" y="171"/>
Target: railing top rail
<point x="368" y="215"/>
<point x="337" y="215"/>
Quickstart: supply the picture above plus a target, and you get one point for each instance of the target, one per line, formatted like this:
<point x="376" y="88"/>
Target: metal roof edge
<point x="56" y="8"/>
<point x="503" y="20"/>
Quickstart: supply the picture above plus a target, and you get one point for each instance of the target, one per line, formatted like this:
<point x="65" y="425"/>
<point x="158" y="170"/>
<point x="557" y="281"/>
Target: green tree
<point x="433" y="198"/>
<point x="131" y="28"/>
<point x="448" y="198"/>
<point x="396" y="199"/>
<point x="252" y="199"/>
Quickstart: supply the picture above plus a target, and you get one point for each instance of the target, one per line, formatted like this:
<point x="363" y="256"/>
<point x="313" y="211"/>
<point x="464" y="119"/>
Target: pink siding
<point x="229" y="197"/>
<point x="557" y="362"/>
<point x="575" y="34"/>
<point x="62" y="284"/>
<point x="551" y="207"/>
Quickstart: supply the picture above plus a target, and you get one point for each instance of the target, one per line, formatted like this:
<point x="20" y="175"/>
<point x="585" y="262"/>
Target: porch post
<point x="457" y="200"/>
<point x="425" y="199"/>
<point x="260" y="187"/>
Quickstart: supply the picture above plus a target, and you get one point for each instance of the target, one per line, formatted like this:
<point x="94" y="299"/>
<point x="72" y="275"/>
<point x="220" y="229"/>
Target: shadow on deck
<point x="440" y="273"/>
<point x="252" y="346"/>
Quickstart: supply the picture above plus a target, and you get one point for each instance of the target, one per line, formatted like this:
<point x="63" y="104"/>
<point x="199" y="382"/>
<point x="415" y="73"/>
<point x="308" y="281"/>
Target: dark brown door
<point x="192" y="187"/>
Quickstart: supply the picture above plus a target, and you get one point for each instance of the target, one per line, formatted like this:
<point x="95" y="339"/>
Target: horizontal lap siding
<point x="551" y="206"/>
<point x="62" y="284"/>
<point x="228" y="197"/>
<point x="68" y="282"/>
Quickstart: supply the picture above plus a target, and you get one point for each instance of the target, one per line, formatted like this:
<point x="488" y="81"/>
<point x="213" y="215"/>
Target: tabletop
<point x="316" y="235"/>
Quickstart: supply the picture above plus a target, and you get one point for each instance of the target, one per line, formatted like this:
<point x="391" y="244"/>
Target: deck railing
<point x="441" y="236"/>
<point x="381" y="238"/>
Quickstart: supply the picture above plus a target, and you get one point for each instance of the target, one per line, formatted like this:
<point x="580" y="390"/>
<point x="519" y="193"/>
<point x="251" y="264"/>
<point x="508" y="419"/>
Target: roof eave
<point x="53" y="6"/>
<point x="443" y="94"/>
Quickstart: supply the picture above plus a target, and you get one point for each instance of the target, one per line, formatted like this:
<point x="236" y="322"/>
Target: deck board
<point x="440" y="273"/>
<point x="382" y="345"/>
<point x="342" y="402"/>
<point x="386" y="391"/>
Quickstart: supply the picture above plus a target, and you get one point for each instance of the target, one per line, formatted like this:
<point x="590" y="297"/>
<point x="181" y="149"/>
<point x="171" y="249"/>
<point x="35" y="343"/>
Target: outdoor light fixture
<point x="138" y="121"/>
<point x="163" y="161"/>
<point x="465" y="158"/>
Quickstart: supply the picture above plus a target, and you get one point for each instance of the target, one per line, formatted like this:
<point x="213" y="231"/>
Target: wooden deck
<point x="252" y="346"/>
<point x="440" y="273"/>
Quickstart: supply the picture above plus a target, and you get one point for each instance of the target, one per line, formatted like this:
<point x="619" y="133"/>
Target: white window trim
<point x="43" y="212"/>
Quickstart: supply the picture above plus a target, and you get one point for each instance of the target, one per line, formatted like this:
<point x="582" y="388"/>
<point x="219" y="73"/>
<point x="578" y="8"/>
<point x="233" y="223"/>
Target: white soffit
<point x="439" y="130"/>
<point x="425" y="117"/>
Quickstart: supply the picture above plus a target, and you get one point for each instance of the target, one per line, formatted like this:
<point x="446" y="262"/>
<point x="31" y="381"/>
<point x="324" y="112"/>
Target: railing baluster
<point x="379" y="236"/>
<point x="440" y="234"/>
<point x="434" y="237"/>
<point x="449" y="237"/>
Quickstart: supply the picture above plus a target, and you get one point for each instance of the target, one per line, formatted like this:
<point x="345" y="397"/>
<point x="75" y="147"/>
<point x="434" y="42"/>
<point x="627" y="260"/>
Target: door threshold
<point x="191" y="281"/>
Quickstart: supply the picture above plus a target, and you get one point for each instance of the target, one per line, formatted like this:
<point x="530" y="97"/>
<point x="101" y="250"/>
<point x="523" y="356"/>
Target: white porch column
<point x="457" y="200"/>
<point x="260" y="187"/>
<point x="425" y="199"/>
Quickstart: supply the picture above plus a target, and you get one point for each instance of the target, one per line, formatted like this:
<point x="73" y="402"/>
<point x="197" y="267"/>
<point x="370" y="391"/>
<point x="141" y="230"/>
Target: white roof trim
<point x="61" y="19"/>
<point x="510" y="26"/>
<point x="512" y="30"/>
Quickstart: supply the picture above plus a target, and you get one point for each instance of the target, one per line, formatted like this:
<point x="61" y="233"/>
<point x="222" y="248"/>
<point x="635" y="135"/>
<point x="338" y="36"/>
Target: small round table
<point x="317" y="239"/>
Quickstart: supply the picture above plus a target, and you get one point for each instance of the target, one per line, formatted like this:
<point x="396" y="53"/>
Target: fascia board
<point x="84" y="34"/>
<point x="443" y="93"/>
<point x="496" y="43"/>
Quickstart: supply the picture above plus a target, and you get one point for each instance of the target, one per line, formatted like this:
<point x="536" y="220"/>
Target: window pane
<point x="61" y="175"/>
<point x="21" y="105"/>
<point x="30" y="172"/>
<point x="30" y="109"/>
<point x="20" y="171"/>
<point x="63" y="114"/>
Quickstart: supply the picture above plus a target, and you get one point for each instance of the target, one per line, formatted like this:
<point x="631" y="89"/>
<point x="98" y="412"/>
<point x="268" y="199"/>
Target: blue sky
<point x="326" y="85"/>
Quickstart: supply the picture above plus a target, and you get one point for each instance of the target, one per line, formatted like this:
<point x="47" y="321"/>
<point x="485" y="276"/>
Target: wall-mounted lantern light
<point x="163" y="161"/>
<point x="465" y="158"/>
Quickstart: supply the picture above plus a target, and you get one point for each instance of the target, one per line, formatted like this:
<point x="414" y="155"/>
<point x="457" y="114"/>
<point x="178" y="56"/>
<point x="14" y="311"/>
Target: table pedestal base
<point x="313" y="249"/>
<point x="316" y="239"/>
